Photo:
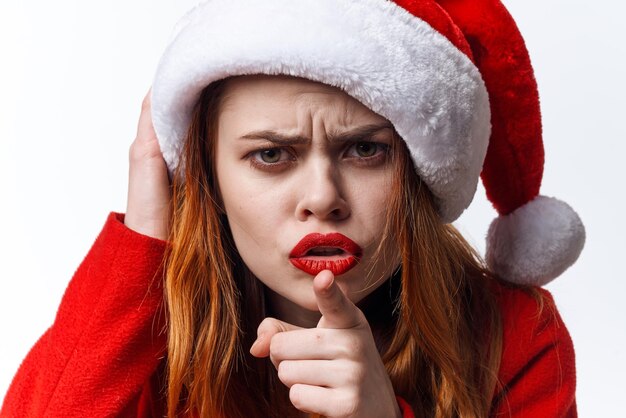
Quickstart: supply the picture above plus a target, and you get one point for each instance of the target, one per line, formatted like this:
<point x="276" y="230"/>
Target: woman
<point x="308" y="261"/>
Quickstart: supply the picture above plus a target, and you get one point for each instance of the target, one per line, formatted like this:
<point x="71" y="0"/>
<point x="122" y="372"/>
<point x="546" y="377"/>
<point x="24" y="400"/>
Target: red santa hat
<point x="453" y="77"/>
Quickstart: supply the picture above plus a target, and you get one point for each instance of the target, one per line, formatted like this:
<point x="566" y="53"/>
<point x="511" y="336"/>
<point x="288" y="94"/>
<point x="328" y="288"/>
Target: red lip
<point x="317" y="252"/>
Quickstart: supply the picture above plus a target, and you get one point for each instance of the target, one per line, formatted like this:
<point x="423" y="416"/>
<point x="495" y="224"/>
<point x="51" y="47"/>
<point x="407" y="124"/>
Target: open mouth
<point x="317" y="252"/>
<point x="325" y="252"/>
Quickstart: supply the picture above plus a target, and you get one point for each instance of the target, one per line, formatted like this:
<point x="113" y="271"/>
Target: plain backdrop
<point x="72" y="77"/>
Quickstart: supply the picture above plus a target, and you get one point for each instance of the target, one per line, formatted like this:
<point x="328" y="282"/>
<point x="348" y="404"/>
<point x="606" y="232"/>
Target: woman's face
<point x="295" y="158"/>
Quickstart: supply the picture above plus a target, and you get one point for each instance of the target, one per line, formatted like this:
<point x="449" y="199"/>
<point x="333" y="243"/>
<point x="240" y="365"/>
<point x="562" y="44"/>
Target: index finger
<point x="337" y="310"/>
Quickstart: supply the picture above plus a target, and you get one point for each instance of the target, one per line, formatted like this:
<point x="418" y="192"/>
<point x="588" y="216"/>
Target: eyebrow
<point x="351" y="135"/>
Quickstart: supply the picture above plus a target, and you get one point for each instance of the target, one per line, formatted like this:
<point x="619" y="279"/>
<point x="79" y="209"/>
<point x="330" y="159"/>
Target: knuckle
<point x="358" y="373"/>
<point x="276" y="345"/>
<point x="344" y="351"/>
<point x="349" y="405"/>
<point x="137" y="152"/>
<point x="267" y="322"/>
<point x="133" y="146"/>
<point x="355" y="344"/>
<point x="267" y="326"/>
<point x="261" y="329"/>
<point x="354" y="373"/>
<point x="133" y="151"/>
<point x="352" y="347"/>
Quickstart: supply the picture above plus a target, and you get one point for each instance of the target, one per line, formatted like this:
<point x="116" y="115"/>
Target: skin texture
<point x="319" y="185"/>
<point x="320" y="342"/>
<point x="147" y="206"/>
<point x="333" y="369"/>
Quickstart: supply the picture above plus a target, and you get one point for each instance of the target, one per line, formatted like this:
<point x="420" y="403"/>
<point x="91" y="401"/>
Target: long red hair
<point x="440" y="326"/>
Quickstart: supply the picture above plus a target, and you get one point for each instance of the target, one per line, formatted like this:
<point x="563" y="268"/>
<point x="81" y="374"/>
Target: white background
<point x="72" y="77"/>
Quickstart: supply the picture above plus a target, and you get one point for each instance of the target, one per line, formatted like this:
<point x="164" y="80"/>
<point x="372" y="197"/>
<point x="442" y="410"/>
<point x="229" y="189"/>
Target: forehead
<point x="291" y="100"/>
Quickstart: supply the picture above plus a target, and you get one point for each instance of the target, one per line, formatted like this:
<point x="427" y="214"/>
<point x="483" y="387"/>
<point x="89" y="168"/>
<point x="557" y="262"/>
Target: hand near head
<point x="334" y="369"/>
<point x="148" y="205"/>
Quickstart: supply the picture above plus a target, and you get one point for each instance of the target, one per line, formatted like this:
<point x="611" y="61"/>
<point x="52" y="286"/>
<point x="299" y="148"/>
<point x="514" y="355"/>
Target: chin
<point x="304" y="299"/>
<point x="309" y="305"/>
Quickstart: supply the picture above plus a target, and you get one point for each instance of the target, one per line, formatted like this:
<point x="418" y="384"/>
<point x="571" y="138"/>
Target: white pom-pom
<point x="535" y="243"/>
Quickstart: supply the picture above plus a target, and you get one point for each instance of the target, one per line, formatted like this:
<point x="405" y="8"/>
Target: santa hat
<point x="453" y="77"/>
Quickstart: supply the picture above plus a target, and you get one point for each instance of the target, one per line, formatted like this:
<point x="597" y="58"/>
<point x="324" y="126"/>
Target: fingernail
<point x="330" y="284"/>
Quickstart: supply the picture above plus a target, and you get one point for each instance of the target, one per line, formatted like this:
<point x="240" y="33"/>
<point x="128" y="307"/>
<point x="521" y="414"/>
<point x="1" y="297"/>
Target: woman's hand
<point x="149" y="194"/>
<point x="334" y="369"/>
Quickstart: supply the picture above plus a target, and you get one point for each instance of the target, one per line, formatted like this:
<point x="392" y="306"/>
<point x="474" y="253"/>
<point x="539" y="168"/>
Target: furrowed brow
<point x="276" y="137"/>
<point x="359" y="133"/>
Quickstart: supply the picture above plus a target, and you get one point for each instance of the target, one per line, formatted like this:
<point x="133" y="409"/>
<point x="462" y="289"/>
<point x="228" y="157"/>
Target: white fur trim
<point x="535" y="243"/>
<point x="377" y="52"/>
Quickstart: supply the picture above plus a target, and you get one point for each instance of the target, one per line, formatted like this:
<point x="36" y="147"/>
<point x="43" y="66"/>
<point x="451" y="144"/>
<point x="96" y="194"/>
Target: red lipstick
<point x="317" y="252"/>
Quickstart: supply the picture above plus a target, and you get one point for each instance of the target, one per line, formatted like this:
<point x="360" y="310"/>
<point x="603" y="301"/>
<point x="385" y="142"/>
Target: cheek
<point x="370" y="204"/>
<point x="256" y="216"/>
<point x="370" y="200"/>
<point x="250" y="214"/>
<point x="240" y="193"/>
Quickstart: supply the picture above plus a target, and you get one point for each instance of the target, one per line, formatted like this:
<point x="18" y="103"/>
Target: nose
<point x="321" y="195"/>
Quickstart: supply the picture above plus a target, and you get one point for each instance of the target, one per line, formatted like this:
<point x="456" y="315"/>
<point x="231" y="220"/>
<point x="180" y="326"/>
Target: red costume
<point x="104" y="354"/>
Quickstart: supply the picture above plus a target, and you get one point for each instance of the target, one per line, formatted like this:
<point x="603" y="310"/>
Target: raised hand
<point x="334" y="369"/>
<point x="147" y="210"/>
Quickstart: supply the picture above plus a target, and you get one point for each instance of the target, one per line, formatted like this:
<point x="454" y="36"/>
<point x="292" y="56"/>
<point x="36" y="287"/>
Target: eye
<point x="270" y="155"/>
<point x="270" y="158"/>
<point x="367" y="150"/>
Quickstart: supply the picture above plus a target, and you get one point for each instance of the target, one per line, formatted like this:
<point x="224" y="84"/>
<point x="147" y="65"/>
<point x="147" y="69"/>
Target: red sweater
<point x="104" y="352"/>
